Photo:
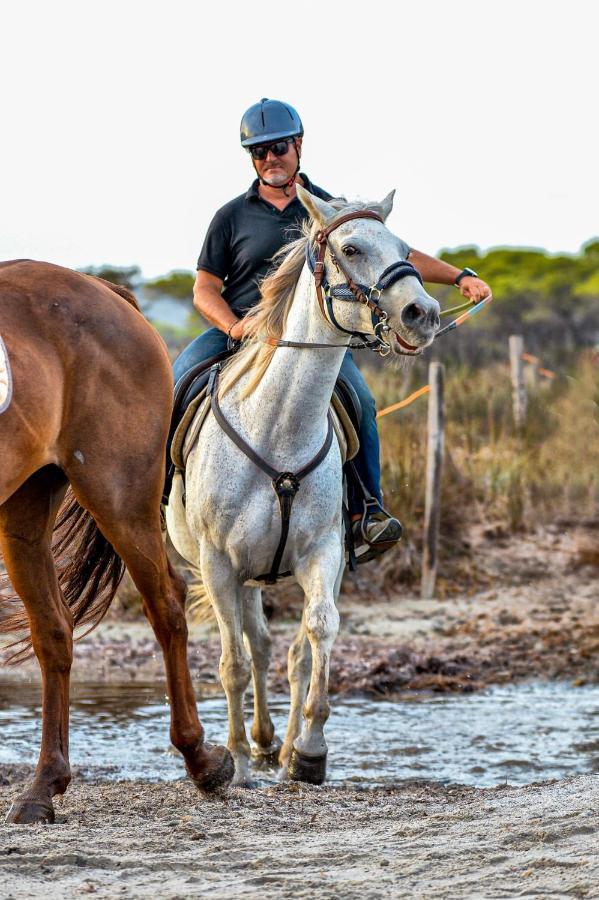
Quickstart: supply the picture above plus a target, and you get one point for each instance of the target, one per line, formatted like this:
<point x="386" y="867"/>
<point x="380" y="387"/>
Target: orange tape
<point x="402" y="403"/>
<point x="547" y="373"/>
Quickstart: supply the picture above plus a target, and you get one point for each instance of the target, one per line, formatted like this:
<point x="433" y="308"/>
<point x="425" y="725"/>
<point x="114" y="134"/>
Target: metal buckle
<point x="381" y="329"/>
<point x="379" y="292"/>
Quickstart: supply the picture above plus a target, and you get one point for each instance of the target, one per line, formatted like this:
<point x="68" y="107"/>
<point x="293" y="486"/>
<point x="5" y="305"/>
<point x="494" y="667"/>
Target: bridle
<point x="353" y="292"/>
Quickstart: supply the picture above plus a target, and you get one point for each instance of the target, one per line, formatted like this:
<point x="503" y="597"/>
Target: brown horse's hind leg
<point x="26" y="523"/>
<point x="131" y="522"/>
<point x="163" y="595"/>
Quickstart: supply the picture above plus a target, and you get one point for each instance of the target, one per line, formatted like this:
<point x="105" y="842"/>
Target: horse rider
<point x="240" y="242"/>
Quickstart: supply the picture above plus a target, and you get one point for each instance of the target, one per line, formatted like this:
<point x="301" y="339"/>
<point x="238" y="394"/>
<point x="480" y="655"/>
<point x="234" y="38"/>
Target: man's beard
<point x="277" y="177"/>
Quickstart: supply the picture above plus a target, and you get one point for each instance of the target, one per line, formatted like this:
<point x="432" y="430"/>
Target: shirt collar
<point x="252" y="193"/>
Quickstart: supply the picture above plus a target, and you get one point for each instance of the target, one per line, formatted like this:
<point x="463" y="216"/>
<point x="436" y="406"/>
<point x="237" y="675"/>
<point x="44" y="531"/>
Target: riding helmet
<point x="269" y="120"/>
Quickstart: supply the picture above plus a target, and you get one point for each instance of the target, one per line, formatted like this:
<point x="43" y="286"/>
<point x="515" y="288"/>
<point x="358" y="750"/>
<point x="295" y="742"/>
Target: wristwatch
<point x="470" y="273"/>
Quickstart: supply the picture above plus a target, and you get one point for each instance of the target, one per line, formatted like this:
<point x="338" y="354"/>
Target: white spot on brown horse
<point x="5" y="378"/>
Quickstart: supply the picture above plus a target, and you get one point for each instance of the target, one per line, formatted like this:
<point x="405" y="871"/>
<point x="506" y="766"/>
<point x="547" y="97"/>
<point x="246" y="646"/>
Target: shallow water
<point x="513" y="733"/>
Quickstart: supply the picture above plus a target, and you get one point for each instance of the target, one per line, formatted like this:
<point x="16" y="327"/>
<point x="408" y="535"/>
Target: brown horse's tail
<point x="89" y="572"/>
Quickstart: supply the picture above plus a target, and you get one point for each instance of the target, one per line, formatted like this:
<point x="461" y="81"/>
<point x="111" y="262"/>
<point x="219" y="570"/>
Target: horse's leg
<point x="320" y="580"/>
<point x="129" y="517"/>
<point x="226" y="597"/>
<point x="26" y="524"/>
<point x="299" y="665"/>
<point x="163" y="595"/>
<point x="256" y="631"/>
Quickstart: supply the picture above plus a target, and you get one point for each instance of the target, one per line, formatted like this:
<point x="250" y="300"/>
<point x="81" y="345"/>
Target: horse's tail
<point x="119" y="289"/>
<point x="198" y="601"/>
<point x="89" y="572"/>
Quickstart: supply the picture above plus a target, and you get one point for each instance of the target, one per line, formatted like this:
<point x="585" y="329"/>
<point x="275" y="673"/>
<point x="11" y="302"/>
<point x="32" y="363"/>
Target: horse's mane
<point x="268" y="318"/>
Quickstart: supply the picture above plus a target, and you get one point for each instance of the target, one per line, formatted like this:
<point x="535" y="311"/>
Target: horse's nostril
<point x="412" y="314"/>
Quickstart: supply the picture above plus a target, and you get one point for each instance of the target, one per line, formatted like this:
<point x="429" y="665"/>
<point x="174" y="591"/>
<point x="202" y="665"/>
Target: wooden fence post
<point x="518" y="383"/>
<point x="434" y="467"/>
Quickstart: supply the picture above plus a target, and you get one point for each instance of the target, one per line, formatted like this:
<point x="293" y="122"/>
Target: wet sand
<point x="417" y="840"/>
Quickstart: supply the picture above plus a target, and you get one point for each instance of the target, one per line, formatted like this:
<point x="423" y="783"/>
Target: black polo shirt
<point x="243" y="237"/>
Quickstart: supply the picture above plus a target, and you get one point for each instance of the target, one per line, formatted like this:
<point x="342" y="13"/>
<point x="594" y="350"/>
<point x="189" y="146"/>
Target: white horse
<point x="277" y="399"/>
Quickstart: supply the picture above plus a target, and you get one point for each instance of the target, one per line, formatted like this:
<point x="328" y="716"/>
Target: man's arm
<point x="438" y="272"/>
<point x="208" y="300"/>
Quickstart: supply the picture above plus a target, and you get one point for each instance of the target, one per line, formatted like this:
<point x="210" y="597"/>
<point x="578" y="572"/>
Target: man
<point x="241" y="240"/>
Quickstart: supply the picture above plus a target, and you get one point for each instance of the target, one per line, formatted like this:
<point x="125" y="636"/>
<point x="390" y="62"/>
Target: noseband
<point x="352" y="291"/>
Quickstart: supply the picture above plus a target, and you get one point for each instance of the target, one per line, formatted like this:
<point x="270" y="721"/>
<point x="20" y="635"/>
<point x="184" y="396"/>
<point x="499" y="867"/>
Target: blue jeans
<point x="367" y="461"/>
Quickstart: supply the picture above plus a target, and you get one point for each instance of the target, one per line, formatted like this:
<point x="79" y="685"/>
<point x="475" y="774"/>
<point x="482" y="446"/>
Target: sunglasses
<point x="279" y="148"/>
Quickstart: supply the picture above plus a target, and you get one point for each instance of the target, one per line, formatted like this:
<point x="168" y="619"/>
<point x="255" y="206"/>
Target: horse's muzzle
<point x="421" y="317"/>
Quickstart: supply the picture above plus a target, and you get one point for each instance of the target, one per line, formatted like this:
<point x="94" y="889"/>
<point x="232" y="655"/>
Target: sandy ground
<point x="417" y="840"/>
<point x="532" y="612"/>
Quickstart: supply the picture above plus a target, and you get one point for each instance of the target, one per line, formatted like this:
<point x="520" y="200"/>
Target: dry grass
<point x="492" y="472"/>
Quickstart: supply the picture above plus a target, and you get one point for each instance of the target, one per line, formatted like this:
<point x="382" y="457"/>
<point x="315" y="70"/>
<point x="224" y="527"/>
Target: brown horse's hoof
<point x="311" y="769"/>
<point x="267" y="756"/>
<point x="218" y="773"/>
<point x="30" y="812"/>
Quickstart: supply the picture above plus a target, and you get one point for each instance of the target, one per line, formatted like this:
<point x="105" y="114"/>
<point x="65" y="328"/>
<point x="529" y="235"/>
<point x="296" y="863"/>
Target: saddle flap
<point x="346" y="434"/>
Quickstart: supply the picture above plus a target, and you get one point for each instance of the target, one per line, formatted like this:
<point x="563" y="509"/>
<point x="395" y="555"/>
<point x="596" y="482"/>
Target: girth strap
<point x="285" y="484"/>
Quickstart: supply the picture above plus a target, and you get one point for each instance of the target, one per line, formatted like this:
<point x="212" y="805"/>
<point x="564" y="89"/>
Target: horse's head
<point x="363" y="261"/>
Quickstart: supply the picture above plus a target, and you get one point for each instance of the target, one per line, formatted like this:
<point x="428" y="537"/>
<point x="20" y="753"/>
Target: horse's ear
<point x="387" y="203"/>
<point x="320" y="210"/>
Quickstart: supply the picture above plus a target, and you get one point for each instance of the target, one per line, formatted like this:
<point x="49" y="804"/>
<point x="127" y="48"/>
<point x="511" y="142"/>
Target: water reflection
<point x="517" y="734"/>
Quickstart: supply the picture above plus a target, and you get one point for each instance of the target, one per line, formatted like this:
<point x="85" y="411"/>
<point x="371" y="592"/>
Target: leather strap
<point x="273" y="342"/>
<point x="285" y="484"/>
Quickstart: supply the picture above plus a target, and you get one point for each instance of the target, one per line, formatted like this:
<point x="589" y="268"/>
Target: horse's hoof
<point x="218" y="773"/>
<point x="267" y="756"/>
<point x="311" y="769"/>
<point x="30" y="812"/>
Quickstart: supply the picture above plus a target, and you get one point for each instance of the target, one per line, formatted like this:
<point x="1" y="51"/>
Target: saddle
<point x="191" y="406"/>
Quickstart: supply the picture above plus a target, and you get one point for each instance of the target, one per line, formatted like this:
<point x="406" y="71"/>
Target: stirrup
<point x="375" y="548"/>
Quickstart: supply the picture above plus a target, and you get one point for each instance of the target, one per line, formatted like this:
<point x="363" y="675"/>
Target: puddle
<point x="514" y="733"/>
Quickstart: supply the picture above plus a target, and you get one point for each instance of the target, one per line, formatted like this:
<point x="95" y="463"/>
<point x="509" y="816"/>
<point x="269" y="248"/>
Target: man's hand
<point x="474" y="289"/>
<point x="237" y="332"/>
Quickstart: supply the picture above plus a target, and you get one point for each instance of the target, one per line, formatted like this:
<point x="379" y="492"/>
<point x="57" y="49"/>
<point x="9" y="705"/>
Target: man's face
<point x="278" y="170"/>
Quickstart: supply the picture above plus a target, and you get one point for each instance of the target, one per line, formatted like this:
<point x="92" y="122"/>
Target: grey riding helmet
<point x="269" y="120"/>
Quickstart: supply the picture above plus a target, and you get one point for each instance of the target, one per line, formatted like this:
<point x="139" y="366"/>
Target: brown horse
<point x="85" y="401"/>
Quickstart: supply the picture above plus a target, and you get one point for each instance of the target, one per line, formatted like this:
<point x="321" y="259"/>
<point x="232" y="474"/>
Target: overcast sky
<point x="121" y="119"/>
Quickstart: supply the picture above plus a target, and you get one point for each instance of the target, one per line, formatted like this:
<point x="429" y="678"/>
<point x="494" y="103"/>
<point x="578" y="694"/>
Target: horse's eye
<point x="350" y="250"/>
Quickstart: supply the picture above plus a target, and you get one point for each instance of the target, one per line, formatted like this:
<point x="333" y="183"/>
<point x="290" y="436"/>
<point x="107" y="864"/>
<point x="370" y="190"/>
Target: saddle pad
<point x="189" y="427"/>
<point x="180" y="447"/>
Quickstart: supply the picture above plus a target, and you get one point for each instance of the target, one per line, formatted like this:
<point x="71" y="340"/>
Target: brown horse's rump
<point x="89" y="411"/>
